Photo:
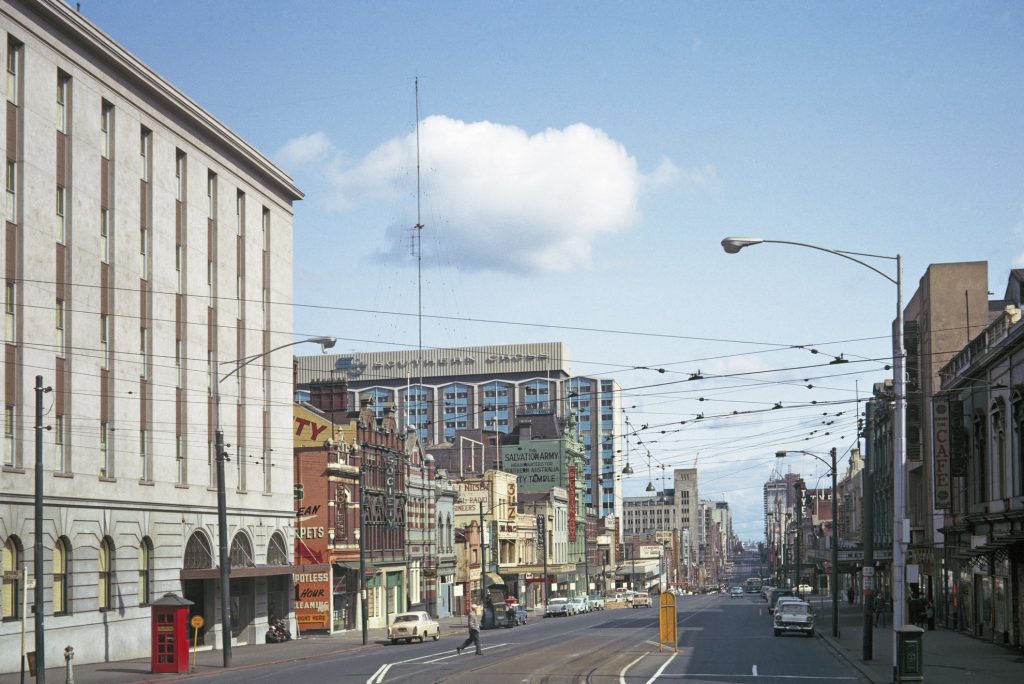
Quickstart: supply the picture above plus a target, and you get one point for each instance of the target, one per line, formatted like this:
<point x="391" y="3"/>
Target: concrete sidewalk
<point x="209" y="663"/>
<point x="949" y="657"/>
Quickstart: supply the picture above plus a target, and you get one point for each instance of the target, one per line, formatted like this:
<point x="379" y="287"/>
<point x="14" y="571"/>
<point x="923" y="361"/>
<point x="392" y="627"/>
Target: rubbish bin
<point x="170" y="634"/>
<point x="909" y="654"/>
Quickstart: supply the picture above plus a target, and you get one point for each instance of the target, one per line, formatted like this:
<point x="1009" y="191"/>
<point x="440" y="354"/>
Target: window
<point x="58" y="444"/>
<point x="179" y="457"/>
<point x="144" y="252"/>
<point x="143" y="347"/>
<point x="60" y="576"/>
<point x="145" y="145"/>
<point x="105" y="236"/>
<point x="13" y="69"/>
<point x="146" y="475"/>
<point x="211" y="277"/>
<point x="240" y="213"/>
<point x="179" y="256"/>
<point x="104" y="341"/>
<point x="8" y="435"/>
<point x="61" y="224"/>
<point x="211" y="196"/>
<point x="211" y="372"/>
<point x="145" y="571"/>
<point x="105" y="469"/>
<point x="11" y="184"/>
<point x="9" y="319"/>
<point x="105" y="577"/>
<point x="179" y="175"/>
<point x="58" y="316"/>
<point x="107" y="129"/>
<point x="63" y="81"/>
<point x="11" y="567"/>
<point x="266" y="229"/>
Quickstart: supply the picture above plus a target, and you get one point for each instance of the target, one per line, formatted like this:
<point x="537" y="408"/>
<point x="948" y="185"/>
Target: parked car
<point x="415" y="625"/>
<point x="580" y="604"/>
<point x="764" y="591"/>
<point x="641" y="600"/>
<point x="558" y="606"/>
<point x="596" y="601"/>
<point x="793" y="617"/>
<point x="774" y="594"/>
<point x="805" y="589"/>
<point x="736" y="592"/>
<point x="783" y="600"/>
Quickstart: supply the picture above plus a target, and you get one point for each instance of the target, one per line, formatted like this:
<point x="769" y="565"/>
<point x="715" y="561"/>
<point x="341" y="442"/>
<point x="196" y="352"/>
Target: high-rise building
<point x="668" y="510"/>
<point x="439" y="392"/>
<point x="144" y="243"/>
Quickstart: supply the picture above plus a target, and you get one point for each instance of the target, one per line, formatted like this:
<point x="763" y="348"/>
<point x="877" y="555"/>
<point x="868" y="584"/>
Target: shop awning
<point x="494" y="578"/>
<point x="253" y="571"/>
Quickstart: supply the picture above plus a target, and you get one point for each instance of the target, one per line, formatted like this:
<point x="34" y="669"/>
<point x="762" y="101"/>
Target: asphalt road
<point x="721" y="639"/>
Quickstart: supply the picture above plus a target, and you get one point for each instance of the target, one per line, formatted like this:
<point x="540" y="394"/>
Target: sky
<point x="579" y="164"/>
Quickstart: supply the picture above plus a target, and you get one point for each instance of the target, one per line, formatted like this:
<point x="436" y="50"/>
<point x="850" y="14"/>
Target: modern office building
<point x="144" y="243"/>
<point x="668" y="510"/>
<point x="442" y="391"/>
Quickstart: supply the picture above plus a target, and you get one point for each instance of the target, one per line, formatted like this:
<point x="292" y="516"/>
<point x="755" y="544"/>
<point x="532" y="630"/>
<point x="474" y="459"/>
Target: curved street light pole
<point x="900" y="524"/>
<point x="834" y="581"/>
<point x="222" y="509"/>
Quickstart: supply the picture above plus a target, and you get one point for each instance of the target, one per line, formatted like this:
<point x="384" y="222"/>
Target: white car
<point x="558" y="606"/>
<point x="596" y="601"/>
<point x="580" y="604"/>
<point x="641" y="600"/>
<point x="415" y="625"/>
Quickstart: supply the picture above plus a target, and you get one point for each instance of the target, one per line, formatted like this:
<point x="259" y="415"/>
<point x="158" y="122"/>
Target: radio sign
<point x="541" y="531"/>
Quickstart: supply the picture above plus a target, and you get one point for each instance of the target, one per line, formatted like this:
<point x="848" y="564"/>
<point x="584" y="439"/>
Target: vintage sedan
<point x="416" y="625"/>
<point x="793" y="617"/>
<point x="558" y="606"/>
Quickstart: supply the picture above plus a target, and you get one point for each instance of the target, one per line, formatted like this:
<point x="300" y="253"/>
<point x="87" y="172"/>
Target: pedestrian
<point x="929" y="614"/>
<point x="474" y="632"/>
<point x="849" y="595"/>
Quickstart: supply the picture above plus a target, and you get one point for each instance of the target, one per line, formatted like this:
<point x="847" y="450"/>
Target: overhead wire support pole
<point x="37" y="554"/>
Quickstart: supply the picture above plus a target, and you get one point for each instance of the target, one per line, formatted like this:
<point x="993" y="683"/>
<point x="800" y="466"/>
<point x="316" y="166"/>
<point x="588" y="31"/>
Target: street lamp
<point x="835" y="532"/>
<point x="222" y="506"/>
<point x="900" y="524"/>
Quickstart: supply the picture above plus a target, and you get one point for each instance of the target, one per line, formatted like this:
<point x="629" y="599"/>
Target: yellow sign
<point x="312" y="429"/>
<point x="667" y="614"/>
<point x="196" y="621"/>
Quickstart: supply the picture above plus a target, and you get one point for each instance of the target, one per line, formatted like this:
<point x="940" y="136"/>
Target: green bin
<point x="909" y="654"/>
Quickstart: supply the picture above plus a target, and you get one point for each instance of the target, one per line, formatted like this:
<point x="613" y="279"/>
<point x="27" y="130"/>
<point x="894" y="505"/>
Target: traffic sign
<point x="196" y="621"/>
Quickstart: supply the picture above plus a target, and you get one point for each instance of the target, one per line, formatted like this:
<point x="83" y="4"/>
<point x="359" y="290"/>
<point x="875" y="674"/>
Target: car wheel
<point x="394" y="642"/>
<point x="409" y="640"/>
<point x="776" y="632"/>
<point x="437" y="635"/>
<point x="811" y="634"/>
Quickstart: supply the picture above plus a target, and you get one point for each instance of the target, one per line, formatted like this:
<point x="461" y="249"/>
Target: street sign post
<point x="668" y="635"/>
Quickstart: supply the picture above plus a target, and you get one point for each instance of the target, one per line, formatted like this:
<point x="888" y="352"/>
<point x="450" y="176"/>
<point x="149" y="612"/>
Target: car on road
<point x="775" y="594"/>
<point x="580" y="604"/>
<point x="783" y="600"/>
<point x="736" y="592"/>
<point x="416" y="625"/>
<point x="641" y="600"/>
<point x="522" y="615"/>
<point x="805" y="589"/>
<point x="558" y="607"/>
<point x="596" y="601"/>
<point x="793" y="618"/>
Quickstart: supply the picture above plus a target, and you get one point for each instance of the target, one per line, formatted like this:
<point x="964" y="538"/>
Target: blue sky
<point x="581" y="162"/>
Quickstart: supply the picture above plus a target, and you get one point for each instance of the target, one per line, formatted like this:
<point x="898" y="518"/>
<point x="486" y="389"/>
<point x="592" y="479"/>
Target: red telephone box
<point x="170" y="634"/>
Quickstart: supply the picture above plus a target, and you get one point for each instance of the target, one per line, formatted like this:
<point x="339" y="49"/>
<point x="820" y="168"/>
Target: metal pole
<point x="901" y="528"/>
<point x="222" y="535"/>
<point x="835" y="550"/>
<point x="362" y="553"/>
<point x="799" y="524"/>
<point x="868" y="535"/>
<point x="483" y="557"/>
<point x="545" y="549"/>
<point x="37" y="559"/>
<point x="586" y="560"/>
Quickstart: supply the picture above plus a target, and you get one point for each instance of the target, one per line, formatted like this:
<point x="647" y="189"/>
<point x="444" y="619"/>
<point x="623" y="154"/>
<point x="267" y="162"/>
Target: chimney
<point x="330" y="396"/>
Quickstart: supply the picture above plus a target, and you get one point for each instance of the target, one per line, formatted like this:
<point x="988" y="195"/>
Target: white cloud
<point x="305" y="149"/>
<point x="509" y="199"/>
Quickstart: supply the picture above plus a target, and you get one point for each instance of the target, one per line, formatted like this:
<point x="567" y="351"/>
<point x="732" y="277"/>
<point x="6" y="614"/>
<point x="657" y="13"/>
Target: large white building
<point x="144" y="243"/>
<point x="667" y="510"/>
<point x="441" y="391"/>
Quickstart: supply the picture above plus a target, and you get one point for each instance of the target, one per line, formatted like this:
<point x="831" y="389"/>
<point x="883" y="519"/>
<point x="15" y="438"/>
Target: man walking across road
<point x="474" y="632"/>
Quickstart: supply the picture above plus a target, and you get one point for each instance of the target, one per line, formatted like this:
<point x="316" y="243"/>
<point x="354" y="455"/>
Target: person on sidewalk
<point x="849" y="595"/>
<point x="929" y="615"/>
<point x="474" y="632"/>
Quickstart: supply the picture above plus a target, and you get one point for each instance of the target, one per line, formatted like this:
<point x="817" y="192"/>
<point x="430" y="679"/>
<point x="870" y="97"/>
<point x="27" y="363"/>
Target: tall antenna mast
<point x="419" y="258"/>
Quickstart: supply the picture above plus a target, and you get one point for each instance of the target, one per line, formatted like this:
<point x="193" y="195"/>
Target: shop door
<point x="195" y="591"/>
<point x="243" y="608"/>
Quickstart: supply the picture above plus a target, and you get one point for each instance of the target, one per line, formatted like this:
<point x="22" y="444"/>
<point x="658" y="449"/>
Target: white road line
<point x="813" y="678"/>
<point x="378" y="676"/>
<point x="622" y="672"/>
<point x="661" y="669"/>
<point x="754" y="671"/>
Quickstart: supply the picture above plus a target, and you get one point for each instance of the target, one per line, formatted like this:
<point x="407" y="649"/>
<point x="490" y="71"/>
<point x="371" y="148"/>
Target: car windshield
<point x="557" y="600"/>
<point x="407" y="618"/>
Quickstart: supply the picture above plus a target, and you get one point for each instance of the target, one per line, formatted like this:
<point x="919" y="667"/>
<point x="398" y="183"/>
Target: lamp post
<point x="363" y="603"/>
<point x="834" y="580"/>
<point x="799" y="523"/>
<point x="222" y="507"/>
<point x="901" y="526"/>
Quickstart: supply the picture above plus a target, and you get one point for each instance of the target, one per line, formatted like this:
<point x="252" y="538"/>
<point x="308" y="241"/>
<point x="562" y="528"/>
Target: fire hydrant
<point x="69" y="653"/>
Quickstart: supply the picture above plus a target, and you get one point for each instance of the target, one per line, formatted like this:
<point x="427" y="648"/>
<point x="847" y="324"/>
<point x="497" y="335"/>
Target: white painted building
<point x="144" y="243"/>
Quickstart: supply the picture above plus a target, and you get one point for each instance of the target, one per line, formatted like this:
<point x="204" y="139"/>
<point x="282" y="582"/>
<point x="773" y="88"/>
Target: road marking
<point x="813" y="678"/>
<point x="622" y="672"/>
<point x="439" y="658"/>
<point x="661" y="669"/>
<point x="755" y="671"/>
<point x="378" y="676"/>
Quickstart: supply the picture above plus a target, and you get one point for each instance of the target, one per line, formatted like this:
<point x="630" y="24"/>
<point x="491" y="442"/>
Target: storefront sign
<point x="313" y="602"/>
<point x="572" y="503"/>
<point x="536" y="469"/>
<point x="541" y="534"/>
<point x="941" y="442"/>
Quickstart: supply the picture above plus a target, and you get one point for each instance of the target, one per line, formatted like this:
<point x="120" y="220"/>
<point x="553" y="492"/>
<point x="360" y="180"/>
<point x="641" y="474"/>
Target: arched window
<point x="61" y="554"/>
<point x="11" y="568"/>
<point x="105" y="580"/>
<point x="145" y="571"/>
<point x="198" y="553"/>
<point x="277" y="550"/>
<point x="241" y="552"/>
